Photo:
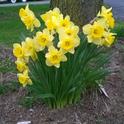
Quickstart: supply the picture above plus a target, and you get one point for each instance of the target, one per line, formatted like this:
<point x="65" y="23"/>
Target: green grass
<point x="119" y="29"/>
<point x="3" y="89"/>
<point x="12" y="86"/>
<point x="11" y="27"/>
<point x="7" y="66"/>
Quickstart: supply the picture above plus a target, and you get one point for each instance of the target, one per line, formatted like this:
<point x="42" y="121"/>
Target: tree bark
<point x="80" y="11"/>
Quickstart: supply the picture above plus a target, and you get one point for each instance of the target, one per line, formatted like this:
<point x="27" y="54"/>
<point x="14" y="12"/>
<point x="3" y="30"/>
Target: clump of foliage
<point x="58" y="62"/>
<point x="119" y="29"/>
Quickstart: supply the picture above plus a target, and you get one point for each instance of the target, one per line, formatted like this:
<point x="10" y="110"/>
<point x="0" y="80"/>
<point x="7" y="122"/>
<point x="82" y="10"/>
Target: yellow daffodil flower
<point x="97" y="31"/>
<point x="51" y="18"/>
<point x="21" y="65"/>
<point x="54" y="57"/>
<point x="68" y="44"/>
<point x="109" y="39"/>
<point x="28" y="47"/>
<point x="94" y="32"/>
<point x="105" y="12"/>
<point x="65" y="22"/>
<point x="37" y="46"/>
<point x="52" y="13"/>
<point x="24" y="79"/>
<point x="111" y="22"/>
<point x="71" y="31"/>
<point x="108" y="16"/>
<point x="17" y="50"/>
<point x="44" y="39"/>
<point x="28" y="18"/>
<point x="23" y="59"/>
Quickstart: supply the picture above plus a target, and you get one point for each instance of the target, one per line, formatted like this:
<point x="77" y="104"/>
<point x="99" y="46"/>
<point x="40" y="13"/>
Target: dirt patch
<point x="7" y="66"/>
<point x="92" y="109"/>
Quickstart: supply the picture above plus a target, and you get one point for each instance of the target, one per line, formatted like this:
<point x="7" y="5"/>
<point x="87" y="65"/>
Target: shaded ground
<point x="93" y="109"/>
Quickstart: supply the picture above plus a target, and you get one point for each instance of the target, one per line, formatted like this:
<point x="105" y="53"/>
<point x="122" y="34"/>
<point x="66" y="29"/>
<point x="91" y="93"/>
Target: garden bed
<point x="93" y="108"/>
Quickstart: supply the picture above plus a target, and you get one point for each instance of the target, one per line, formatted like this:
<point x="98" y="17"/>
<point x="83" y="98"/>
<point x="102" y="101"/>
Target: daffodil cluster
<point x="44" y="40"/>
<point x="99" y="30"/>
<point x="41" y="58"/>
<point x="22" y="52"/>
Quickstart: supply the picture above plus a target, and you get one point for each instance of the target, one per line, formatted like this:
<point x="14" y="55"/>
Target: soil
<point x="94" y="108"/>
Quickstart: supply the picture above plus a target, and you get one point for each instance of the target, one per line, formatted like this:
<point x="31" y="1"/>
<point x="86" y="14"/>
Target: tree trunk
<point x="80" y="11"/>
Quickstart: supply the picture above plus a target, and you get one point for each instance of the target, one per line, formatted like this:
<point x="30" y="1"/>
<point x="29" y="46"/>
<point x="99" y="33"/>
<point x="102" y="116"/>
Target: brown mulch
<point x="92" y="109"/>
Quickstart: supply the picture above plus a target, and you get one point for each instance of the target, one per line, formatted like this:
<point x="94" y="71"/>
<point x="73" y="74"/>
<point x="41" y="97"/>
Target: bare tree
<point x="81" y="11"/>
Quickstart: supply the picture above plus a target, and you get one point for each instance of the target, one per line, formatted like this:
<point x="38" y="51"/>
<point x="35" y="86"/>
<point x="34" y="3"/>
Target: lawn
<point x="11" y="27"/>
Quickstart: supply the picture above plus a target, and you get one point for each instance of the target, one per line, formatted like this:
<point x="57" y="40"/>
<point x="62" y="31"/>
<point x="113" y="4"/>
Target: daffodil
<point x="97" y="31"/>
<point x="71" y="31"/>
<point x="23" y="59"/>
<point x="109" y="39"/>
<point x="21" y="65"/>
<point x="28" y="18"/>
<point x="17" y="50"/>
<point x="43" y="39"/>
<point x="54" y="57"/>
<point x="94" y="32"/>
<point x="37" y="46"/>
<point x="108" y="16"/>
<point x="65" y="22"/>
<point x="24" y="79"/>
<point x="28" y="47"/>
<point x="105" y="12"/>
<point x="111" y="22"/>
<point x="51" y="18"/>
<point x="52" y="13"/>
<point x="68" y="44"/>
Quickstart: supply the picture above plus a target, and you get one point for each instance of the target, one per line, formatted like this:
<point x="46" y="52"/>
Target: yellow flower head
<point x="21" y="65"/>
<point x="68" y="44"/>
<point x="52" y="13"/>
<point x="97" y="30"/>
<point x="65" y="22"/>
<point x="71" y="31"/>
<point x="109" y="39"/>
<point x="17" y="50"/>
<point x="24" y="79"/>
<point x="94" y="32"/>
<point x="54" y="57"/>
<point x="28" y="47"/>
<point x="111" y="22"/>
<point x="105" y="12"/>
<point x="44" y="39"/>
<point x="28" y="18"/>
<point x="108" y="16"/>
<point x="51" y="18"/>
